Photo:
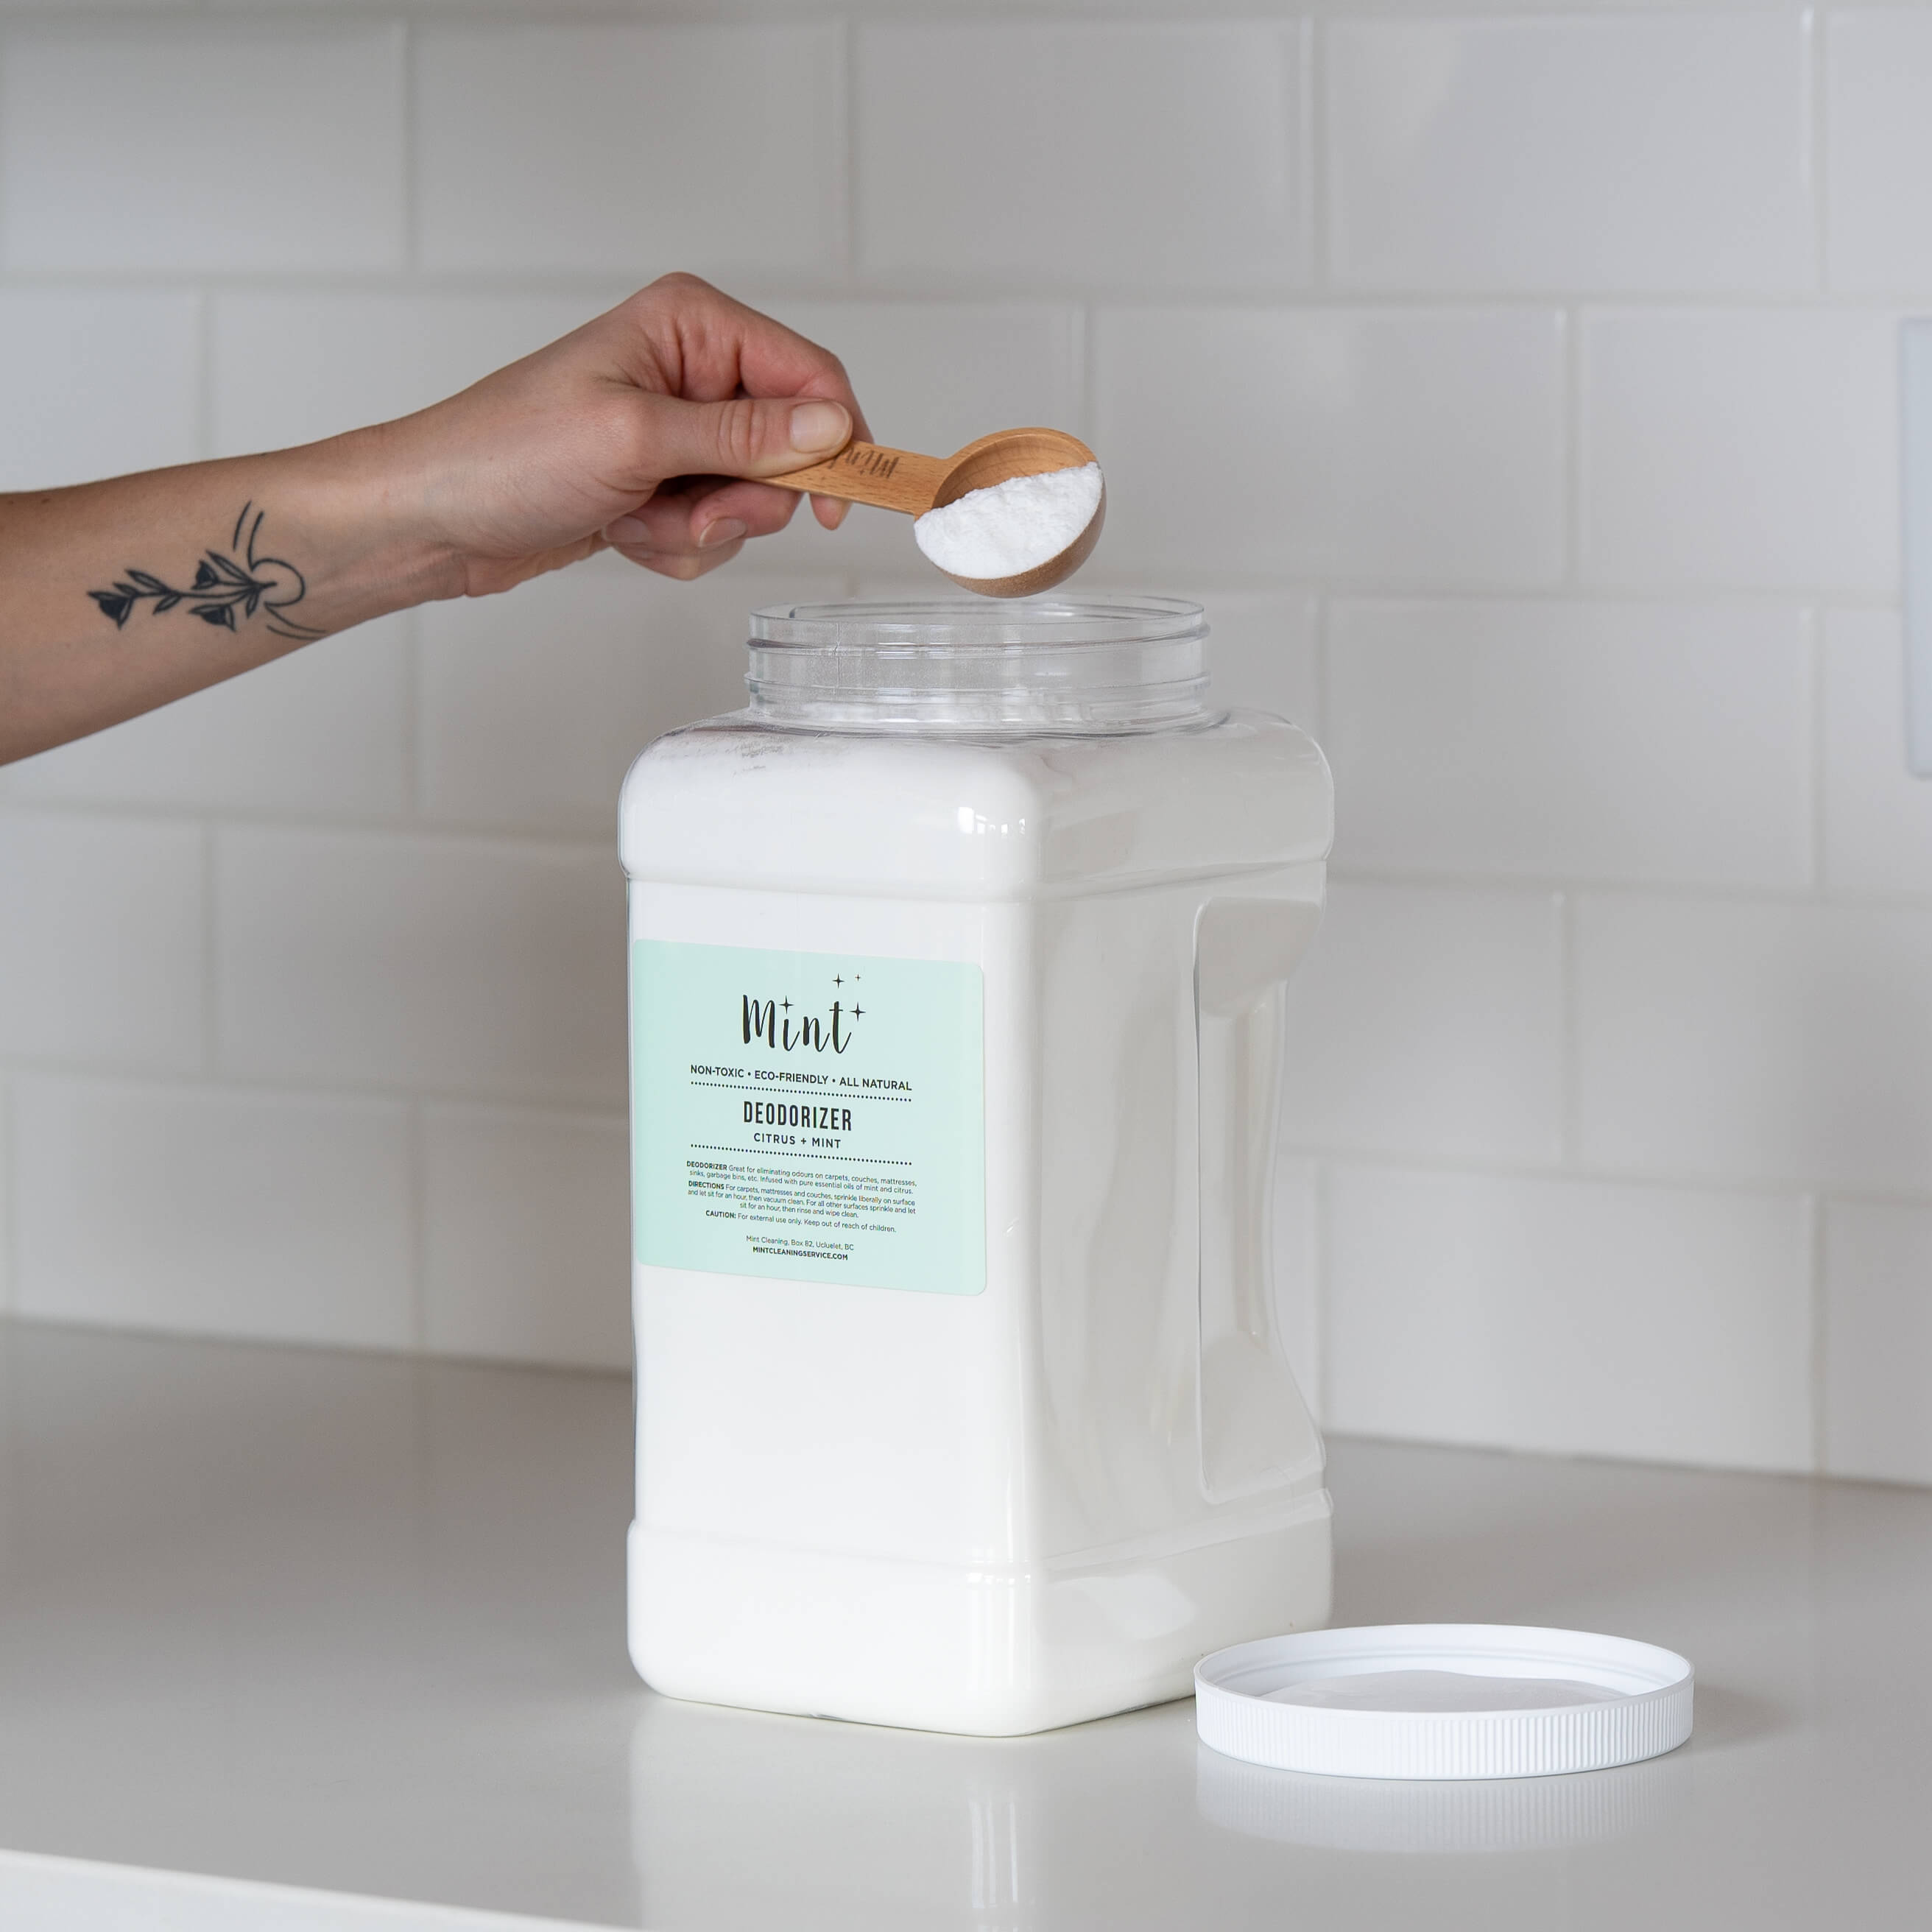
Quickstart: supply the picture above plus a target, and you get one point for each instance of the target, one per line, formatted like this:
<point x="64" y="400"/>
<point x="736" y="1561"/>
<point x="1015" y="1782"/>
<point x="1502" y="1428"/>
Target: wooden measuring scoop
<point x="901" y="479"/>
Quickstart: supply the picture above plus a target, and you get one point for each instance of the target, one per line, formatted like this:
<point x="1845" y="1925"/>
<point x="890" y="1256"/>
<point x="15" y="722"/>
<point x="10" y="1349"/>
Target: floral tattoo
<point x="238" y="579"/>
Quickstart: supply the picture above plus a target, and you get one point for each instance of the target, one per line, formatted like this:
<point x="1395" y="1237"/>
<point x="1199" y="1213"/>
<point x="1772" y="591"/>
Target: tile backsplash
<point x="1516" y="386"/>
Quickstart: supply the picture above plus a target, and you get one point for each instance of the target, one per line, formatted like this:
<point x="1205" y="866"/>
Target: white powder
<point x="1011" y="527"/>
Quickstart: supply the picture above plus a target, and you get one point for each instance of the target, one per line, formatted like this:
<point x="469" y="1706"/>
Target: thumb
<point x="746" y="435"/>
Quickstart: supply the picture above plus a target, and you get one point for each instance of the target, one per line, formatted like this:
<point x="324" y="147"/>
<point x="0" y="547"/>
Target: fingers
<point x="721" y="347"/>
<point x="742" y="436"/>
<point x="724" y="391"/>
<point x="763" y="510"/>
<point x="707" y="348"/>
<point x="700" y="515"/>
<point x="685" y="567"/>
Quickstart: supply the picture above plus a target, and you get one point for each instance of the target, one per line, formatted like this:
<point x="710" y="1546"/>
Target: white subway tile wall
<point x="533" y="704"/>
<point x="1405" y="445"/>
<point x="1575" y="1316"/>
<point x="1430" y="1022"/>
<point x="1739" y="450"/>
<point x="1877" y="817"/>
<point x="95" y="381"/>
<point x="1878" y="79"/>
<point x="282" y="1216"/>
<point x="1659" y="742"/>
<point x="1296" y="1208"/>
<point x="103" y="946"/>
<point x="1087" y="139"/>
<point x="1516" y="386"/>
<point x="324" y="730"/>
<point x="293" y="367"/>
<point x="228" y="147"/>
<point x="1662" y="153"/>
<point x="598" y="148"/>
<point x="1754" y="1040"/>
<point x="1267" y="647"/>
<point x="1878" y="1341"/>
<point x="443" y="965"/>
<point x="521" y="1246"/>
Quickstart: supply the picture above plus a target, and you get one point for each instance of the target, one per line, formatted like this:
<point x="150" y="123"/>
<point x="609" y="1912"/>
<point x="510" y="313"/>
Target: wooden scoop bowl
<point x="901" y="479"/>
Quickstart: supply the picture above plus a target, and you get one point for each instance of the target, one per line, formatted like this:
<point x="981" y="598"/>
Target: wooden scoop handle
<point x="864" y="472"/>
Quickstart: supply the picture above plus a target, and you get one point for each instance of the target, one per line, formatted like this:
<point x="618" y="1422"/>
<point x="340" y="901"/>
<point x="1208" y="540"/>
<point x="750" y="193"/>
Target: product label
<point x="816" y="1116"/>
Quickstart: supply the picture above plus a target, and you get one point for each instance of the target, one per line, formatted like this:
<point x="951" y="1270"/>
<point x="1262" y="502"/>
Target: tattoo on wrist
<point x="238" y="579"/>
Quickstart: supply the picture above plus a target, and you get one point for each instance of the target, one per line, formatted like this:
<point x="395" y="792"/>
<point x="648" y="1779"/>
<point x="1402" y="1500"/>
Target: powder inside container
<point x="1012" y="527"/>
<point x="1440" y="1690"/>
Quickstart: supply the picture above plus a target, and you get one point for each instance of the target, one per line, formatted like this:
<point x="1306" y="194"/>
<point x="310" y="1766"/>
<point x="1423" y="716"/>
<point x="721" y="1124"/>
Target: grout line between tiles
<point x="1798" y="895"/>
<point x="154" y="1329"/>
<point x="1323" y="1288"/>
<point x="204" y="374"/>
<point x="848" y="143"/>
<point x="415" y="761"/>
<point x="1473" y="1167"/>
<point x="418" y="1203"/>
<point x="566" y="1112"/>
<point x="411" y="158"/>
<point x="599" y="286"/>
<point x="1569" y="1074"/>
<point x="503" y="840"/>
<point x="1325" y="645"/>
<point x="507" y="841"/>
<point x="1817" y="149"/>
<point x="9" y="1198"/>
<point x="992" y="13"/>
<point x="1819" y="1209"/>
<point x="1080" y="332"/>
<point x="1312" y="101"/>
<point x="1573" y="447"/>
<point x="297" y="1087"/>
<point x="1626" y="1457"/>
<point x="211" y="956"/>
<point x="1817" y="751"/>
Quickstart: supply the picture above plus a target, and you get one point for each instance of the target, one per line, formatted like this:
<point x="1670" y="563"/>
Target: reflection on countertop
<point x="356" y="1624"/>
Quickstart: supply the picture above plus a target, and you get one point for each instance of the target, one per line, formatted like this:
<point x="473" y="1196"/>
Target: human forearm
<point x="647" y="431"/>
<point x="118" y="596"/>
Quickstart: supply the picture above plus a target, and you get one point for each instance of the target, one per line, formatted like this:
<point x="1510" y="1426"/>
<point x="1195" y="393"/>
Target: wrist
<point x="356" y="506"/>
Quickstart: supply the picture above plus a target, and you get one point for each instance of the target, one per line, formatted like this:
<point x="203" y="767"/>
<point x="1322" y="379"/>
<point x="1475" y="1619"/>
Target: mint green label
<point x="816" y="1116"/>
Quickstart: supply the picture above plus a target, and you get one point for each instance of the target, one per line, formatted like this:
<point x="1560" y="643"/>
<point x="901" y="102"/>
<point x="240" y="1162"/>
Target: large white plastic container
<point x="957" y="973"/>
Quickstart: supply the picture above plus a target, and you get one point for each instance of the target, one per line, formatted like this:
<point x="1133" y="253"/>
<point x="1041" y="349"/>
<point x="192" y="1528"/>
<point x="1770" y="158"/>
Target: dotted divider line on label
<point x="781" y="1154"/>
<point x="820" y="1092"/>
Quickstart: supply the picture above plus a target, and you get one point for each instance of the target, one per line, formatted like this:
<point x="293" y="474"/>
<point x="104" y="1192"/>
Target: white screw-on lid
<point x="1443" y="1700"/>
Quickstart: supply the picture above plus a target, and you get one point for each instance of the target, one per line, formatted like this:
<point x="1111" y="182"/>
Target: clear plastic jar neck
<point x="971" y="667"/>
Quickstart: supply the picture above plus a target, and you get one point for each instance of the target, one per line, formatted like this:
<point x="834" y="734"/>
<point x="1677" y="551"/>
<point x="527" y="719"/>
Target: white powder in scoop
<point x="1010" y="527"/>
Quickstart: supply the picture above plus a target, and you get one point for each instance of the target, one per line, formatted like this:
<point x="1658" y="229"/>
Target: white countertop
<point x="356" y="1624"/>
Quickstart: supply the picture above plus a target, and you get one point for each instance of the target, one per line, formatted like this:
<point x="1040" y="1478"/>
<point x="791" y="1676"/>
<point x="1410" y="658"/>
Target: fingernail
<point x="626" y="530"/>
<point x="816" y="426"/>
<point x="726" y="530"/>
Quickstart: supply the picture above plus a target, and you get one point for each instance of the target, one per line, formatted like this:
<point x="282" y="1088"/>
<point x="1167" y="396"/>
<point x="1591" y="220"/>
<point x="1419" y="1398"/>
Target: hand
<point x="638" y="432"/>
<point x="645" y="431"/>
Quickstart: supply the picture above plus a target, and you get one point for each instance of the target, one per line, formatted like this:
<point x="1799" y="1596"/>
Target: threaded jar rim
<point x="973" y="667"/>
